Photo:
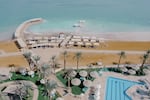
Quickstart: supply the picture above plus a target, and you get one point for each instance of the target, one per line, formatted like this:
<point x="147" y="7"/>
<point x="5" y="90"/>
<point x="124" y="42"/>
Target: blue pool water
<point x="116" y="89"/>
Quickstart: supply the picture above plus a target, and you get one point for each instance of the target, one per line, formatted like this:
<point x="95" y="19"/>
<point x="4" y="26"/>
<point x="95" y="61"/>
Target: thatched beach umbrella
<point x="31" y="73"/>
<point x="83" y="73"/>
<point x="76" y="81"/>
<point x="136" y="68"/>
<point x="132" y="72"/>
<point x="72" y="73"/>
<point x="22" y="71"/>
<point x="146" y="71"/>
<point x="87" y="83"/>
<point x="42" y="81"/>
<point x="124" y="69"/>
<point x="94" y="74"/>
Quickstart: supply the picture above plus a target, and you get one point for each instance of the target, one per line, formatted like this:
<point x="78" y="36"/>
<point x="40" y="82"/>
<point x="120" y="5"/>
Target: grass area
<point x="20" y="77"/>
<point x="8" y="46"/>
<point x="76" y="90"/>
<point x="106" y="59"/>
<point x="18" y="60"/>
<point x="60" y="77"/>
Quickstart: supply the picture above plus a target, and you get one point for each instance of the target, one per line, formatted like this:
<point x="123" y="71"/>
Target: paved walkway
<point x="73" y="50"/>
<point x="105" y="51"/>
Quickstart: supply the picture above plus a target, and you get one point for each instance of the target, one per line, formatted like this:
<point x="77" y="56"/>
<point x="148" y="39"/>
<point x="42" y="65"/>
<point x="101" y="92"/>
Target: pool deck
<point x="103" y="80"/>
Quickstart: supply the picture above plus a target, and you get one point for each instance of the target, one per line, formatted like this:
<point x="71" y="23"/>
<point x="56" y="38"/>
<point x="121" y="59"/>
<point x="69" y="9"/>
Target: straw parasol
<point x="132" y="72"/>
<point x="94" y="74"/>
<point x="124" y="69"/>
<point x="136" y="68"/>
<point x="146" y="71"/>
<point x="72" y="73"/>
<point x="42" y="81"/>
<point x="83" y="73"/>
<point x="30" y="72"/>
<point x="87" y="83"/>
<point x="75" y="81"/>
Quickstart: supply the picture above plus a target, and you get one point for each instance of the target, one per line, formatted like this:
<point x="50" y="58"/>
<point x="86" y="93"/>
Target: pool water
<point x="116" y="89"/>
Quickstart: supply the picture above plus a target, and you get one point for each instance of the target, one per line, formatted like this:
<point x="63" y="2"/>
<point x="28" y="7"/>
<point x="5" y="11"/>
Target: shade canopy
<point x="146" y="71"/>
<point x="76" y="81"/>
<point x="83" y="73"/>
<point x="136" y="68"/>
<point x="72" y="73"/>
<point x="30" y="72"/>
<point x="124" y="69"/>
<point x="87" y="83"/>
<point x="42" y="81"/>
<point x="22" y="71"/>
<point x="132" y="72"/>
<point x="94" y="74"/>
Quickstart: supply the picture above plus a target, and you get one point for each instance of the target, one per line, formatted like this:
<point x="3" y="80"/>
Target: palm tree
<point x="67" y="76"/>
<point x="36" y="58"/>
<point x="44" y="71"/>
<point x="49" y="86"/>
<point x="145" y="57"/>
<point x="23" y="90"/>
<point x="65" y="55"/>
<point x="53" y="60"/>
<point x="148" y="52"/>
<point x="77" y="57"/>
<point x="27" y="88"/>
<point x="56" y="65"/>
<point x="121" y="54"/>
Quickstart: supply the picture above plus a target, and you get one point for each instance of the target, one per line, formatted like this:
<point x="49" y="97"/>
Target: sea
<point x="97" y="16"/>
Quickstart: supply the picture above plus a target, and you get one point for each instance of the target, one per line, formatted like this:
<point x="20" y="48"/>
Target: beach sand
<point x="18" y="61"/>
<point x="106" y="59"/>
<point x="8" y="46"/>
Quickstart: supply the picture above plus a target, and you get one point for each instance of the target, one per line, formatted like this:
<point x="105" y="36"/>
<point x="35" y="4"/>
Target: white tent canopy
<point x="76" y="81"/>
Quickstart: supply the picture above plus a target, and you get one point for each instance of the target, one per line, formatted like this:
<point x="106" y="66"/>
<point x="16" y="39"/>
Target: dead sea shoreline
<point x="112" y="36"/>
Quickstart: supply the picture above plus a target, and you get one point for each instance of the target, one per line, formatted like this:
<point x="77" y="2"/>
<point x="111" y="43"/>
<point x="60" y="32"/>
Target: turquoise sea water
<point x="60" y="15"/>
<point x="116" y="88"/>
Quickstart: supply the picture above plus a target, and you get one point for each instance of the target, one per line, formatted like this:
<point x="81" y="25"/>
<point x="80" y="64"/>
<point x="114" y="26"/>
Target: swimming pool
<point x="116" y="89"/>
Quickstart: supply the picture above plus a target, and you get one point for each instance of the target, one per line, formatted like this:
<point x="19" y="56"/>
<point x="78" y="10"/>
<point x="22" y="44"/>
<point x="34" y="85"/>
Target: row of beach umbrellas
<point x="84" y="73"/>
<point x="77" y="82"/>
<point x="87" y="83"/>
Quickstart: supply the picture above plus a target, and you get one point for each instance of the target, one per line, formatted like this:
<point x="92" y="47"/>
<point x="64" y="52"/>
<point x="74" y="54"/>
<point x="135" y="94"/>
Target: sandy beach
<point x="106" y="59"/>
<point x="8" y="46"/>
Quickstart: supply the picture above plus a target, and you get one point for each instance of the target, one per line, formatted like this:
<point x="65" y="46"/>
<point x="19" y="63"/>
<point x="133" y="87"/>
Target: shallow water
<point x="61" y="15"/>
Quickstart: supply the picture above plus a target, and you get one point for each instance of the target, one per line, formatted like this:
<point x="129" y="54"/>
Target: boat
<point x="76" y="25"/>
